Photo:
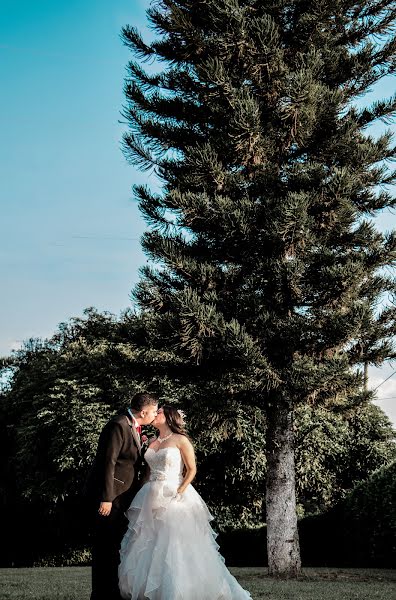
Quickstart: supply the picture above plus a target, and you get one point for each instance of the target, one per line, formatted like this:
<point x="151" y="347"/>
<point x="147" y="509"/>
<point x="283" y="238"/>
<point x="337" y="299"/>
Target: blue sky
<point x="69" y="227"/>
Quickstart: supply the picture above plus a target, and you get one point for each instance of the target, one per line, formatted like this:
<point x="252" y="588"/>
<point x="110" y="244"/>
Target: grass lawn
<point x="73" y="583"/>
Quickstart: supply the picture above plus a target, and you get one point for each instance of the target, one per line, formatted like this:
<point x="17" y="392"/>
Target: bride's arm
<point x="188" y="456"/>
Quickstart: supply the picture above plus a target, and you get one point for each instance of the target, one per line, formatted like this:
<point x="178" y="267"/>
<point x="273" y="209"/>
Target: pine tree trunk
<point x="282" y="534"/>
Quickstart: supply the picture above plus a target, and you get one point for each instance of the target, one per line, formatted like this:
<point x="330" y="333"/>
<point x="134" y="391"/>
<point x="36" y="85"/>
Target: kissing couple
<point x="152" y="538"/>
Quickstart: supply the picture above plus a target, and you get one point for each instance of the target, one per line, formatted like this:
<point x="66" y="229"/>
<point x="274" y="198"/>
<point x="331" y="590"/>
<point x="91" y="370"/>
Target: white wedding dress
<point x="169" y="551"/>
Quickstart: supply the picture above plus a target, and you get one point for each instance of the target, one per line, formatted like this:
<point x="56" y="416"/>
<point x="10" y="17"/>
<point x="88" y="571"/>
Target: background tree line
<point x="61" y="391"/>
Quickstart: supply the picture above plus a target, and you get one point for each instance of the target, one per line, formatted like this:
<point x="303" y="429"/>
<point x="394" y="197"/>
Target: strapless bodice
<point x="165" y="464"/>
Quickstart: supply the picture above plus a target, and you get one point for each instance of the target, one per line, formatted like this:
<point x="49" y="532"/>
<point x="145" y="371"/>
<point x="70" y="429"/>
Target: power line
<point x="55" y="55"/>
<point x="382" y="382"/>
<point x="100" y="237"/>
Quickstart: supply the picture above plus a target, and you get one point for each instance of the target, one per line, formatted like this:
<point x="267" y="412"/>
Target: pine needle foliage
<point x="270" y="265"/>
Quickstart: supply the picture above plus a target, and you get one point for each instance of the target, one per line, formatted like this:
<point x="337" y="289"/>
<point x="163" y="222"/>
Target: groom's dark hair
<point x="141" y="399"/>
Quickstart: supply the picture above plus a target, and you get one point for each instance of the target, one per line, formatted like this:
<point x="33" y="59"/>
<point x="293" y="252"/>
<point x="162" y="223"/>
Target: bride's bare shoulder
<point x="183" y="441"/>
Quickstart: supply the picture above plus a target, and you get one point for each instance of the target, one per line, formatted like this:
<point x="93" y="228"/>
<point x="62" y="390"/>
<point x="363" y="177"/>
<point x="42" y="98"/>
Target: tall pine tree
<point x="271" y="272"/>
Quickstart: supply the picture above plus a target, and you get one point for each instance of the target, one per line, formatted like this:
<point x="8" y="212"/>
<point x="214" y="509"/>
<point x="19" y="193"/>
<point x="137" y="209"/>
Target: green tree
<point x="337" y="450"/>
<point x="60" y="393"/>
<point x="56" y="396"/>
<point x="271" y="269"/>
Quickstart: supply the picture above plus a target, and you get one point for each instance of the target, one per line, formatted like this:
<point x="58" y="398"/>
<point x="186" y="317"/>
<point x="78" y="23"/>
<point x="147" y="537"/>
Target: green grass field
<point x="316" y="584"/>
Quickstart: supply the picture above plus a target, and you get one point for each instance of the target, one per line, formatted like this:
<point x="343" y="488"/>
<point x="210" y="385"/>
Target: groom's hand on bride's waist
<point x="105" y="508"/>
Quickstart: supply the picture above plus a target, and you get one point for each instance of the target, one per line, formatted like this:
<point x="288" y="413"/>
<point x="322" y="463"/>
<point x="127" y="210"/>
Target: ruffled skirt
<point x="169" y="551"/>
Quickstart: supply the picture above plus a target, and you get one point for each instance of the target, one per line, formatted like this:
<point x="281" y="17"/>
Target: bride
<point x="169" y="551"/>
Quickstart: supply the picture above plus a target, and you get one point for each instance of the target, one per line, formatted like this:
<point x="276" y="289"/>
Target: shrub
<point x="360" y="531"/>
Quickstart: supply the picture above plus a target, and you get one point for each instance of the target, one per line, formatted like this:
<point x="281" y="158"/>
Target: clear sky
<point x="69" y="227"/>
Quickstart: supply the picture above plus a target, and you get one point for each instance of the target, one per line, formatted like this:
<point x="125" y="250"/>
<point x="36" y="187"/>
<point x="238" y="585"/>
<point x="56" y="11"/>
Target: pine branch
<point x="136" y="153"/>
<point x="133" y="40"/>
<point x="144" y="80"/>
<point x="384" y="110"/>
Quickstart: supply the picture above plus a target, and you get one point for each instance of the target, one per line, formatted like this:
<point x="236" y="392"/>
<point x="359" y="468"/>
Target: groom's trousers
<point x="107" y="533"/>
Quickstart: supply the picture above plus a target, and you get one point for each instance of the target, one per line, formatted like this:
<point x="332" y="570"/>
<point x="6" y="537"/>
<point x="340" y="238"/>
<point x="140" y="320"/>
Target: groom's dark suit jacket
<point x="114" y="474"/>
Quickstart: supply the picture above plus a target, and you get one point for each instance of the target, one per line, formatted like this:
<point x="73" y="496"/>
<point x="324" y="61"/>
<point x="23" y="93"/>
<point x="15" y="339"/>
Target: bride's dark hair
<point x="174" y="419"/>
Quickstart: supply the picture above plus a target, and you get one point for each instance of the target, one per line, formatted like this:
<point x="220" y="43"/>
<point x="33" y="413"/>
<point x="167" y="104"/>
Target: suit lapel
<point x="137" y="438"/>
<point x="135" y="434"/>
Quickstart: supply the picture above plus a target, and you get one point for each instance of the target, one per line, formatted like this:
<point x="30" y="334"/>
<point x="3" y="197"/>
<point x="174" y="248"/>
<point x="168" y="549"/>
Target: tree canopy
<point x="64" y="389"/>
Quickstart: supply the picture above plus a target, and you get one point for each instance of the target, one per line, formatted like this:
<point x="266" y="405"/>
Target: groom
<point x="112" y="483"/>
